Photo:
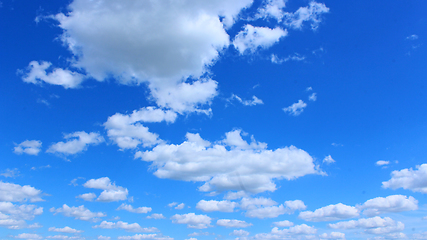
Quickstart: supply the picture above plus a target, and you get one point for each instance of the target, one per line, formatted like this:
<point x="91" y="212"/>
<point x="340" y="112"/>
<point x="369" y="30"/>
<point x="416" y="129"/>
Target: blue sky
<point x="245" y="119"/>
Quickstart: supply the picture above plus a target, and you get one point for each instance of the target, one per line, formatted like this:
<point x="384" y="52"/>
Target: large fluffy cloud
<point x="231" y="164"/>
<point x="13" y="216"/>
<point x="375" y="225"/>
<point x="16" y="193"/>
<point x="393" y="203"/>
<point x="330" y="213"/>
<point x="414" y="180"/>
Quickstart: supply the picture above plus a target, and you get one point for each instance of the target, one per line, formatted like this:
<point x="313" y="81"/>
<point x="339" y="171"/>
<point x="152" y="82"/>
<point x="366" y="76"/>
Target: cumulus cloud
<point x="252" y="38"/>
<point x="375" y="225"/>
<point x="296" y="108"/>
<point x="253" y="102"/>
<point x="393" y="203"/>
<point x="192" y="220"/>
<point x="30" y="147"/>
<point x="133" y="227"/>
<point x="29" y="236"/>
<point x="328" y="159"/>
<point x="10" y="192"/>
<point x="212" y="205"/>
<point x="13" y="216"/>
<point x="87" y="196"/>
<point x="76" y="142"/>
<point x="42" y="72"/>
<point x="414" y="180"/>
<point x="100" y="237"/>
<point x="330" y="213"/>
<point x="267" y="208"/>
<point x="312" y="97"/>
<point x="232" y="164"/>
<point x="111" y="192"/>
<point x="240" y="233"/>
<point x="232" y="223"/>
<point x="128" y="132"/>
<point x="79" y="212"/>
<point x="64" y="230"/>
<point x="272" y="9"/>
<point x="292" y="232"/>
<point x="129" y="208"/>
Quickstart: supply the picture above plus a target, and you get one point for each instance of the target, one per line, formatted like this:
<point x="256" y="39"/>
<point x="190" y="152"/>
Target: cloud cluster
<point x="375" y="225"/>
<point x="212" y="205"/>
<point x="64" y="230"/>
<point x="231" y="164"/>
<point x="11" y="192"/>
<point x="79" y="212"/>
<point x="14" y="216"/>
<point x="232" y="223"/>
<point x="76" y="142"/>
<point x="192" y="220"/>
<point x="133" y="227"/>
<point x="414" y="180"/>
<point x="129" y="208"/>
<point x="330" y="213"/>
<point x="110" y="193"/>
<point x="267" y="208"/>
<point x="30" y="147"/>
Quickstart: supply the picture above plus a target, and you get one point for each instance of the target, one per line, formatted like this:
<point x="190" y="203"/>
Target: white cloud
<point x="80" y="212"/>
<point x="13" y="216"/>
<point x="393" y="203"/>
<point x="375" y="225"/>
<point x="192" y="220"/>
<point x="128" y="132"/>
<point x="180" y="206"/>
<point x="273" y="9"/>
<point x="284" y="223"/>
<point x="277" y="60"/>
<point x="332" y="235"/>
<point x="29" y="236"/>
<point x="133" y="227"/>
<point x="64" y="237"/>
<point x="312" y="13"/>
<point x="16" y="193"/>
<point x="330" y="213"/>
<point x="296" y="108"/>
<point x="313" y="97"/>
<point x="111" y="192"/>
<point x="212" y="205"/>
<point x="10" y="173"/>
<point x="37" y="73"/>
<point x="76" y="142"/>
<point x="328" y="159"/>
<point x="87" y="196"/>
<point x="129" y="208"/>
<point x="156" y="216"/>
<point x="414" y="180"/>
<point x="100" y="237"/>
<point x="232" y="164"/>
<point x="232" y="223"/>
<point x="252" y="38"/>
<point x="153" y="236"/>
<point x="288" y="233"/>
<point x="240" y="233"/>
<point x="382" y="163"/>
<point x="31" y="147"/>
<point x="265" y="208"/>
<point x="64" y="230"/>
<point x="309" y="89"/>
<point x="253" y="102"/>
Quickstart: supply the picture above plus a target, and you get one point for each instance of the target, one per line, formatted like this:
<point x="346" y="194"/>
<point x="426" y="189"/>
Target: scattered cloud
<point x="87" y="196"/>
<point x="284" y="223"/>
<point x="232" y="164"/>
<point x="220" y="206"/>
<point x="232" y="223"/>
<point x="382" y="163"/>
<point x="192" y="220"/>
<point x="296" y="108"/>
<point x="76" y="142"/>
<point x="414" y="180"/>
<point x="79" y="212"/>
<point x="153" y="236"/>
<point x="253" y="102"/>
<point x="252" y="38"/>
<point x="267" y="208"/>
<point x="28" y="236"/>
<point x="277" y="60"/>
<point x="111" y="193"/>
<point x="14" y="216"/>
<point x="180" y="206"/>
<point x="393" y="203"/>
<point x="412" y="37"/>
<point x="313" y="97"/>
<point x="312" y="13"/>
<point x="100" y="237"/>
<point x="10" y="192"/>
<point x="330" y="213"/>
<point x="129" y="208"/>
<point x="328" y="160"/>
<point x="375" y="225"/>
<point x="332" y="235"/>
<point x="30" y="147"/>
<point x="239" y="233"/>
<point x="133" y="227"/>
<point x="10" y="173"/>
<point x="64" y="230"/>
<point x="156" y="216"/>
<point x="288" y="233"/>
